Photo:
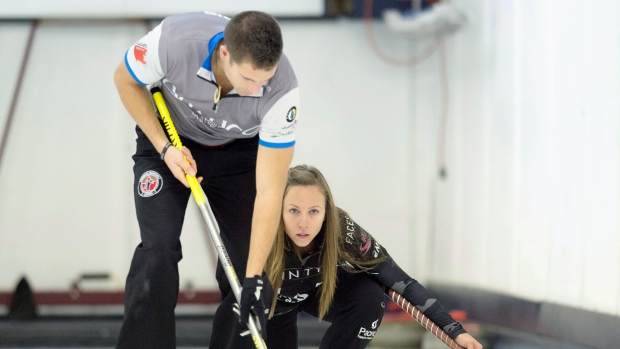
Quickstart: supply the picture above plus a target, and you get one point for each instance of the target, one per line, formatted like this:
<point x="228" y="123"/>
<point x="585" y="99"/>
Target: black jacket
<point x="302" y="277"/>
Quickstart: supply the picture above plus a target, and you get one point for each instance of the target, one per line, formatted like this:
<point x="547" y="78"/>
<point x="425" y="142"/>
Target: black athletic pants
<point x="355" y="315"/>
<point x="152" y="285"/>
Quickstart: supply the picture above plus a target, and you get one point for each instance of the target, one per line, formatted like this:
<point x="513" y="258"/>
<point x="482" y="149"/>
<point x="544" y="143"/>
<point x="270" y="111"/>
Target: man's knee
<point x="158" y="257"/>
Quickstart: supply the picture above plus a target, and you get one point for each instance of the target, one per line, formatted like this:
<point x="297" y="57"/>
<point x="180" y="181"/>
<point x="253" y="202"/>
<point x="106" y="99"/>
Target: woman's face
<point x="303" y="212"/>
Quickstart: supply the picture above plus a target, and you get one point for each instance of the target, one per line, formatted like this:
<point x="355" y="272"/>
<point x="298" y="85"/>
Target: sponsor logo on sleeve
<point x="366" y="243"/>
<point x="292" y="114"/>
<point x="139" y="52"/>
<point x="350" y="229"/>
<point x="377" y="250"/>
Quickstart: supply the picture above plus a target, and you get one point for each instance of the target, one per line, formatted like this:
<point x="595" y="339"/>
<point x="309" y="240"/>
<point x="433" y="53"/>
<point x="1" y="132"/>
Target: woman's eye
<point x="314" y="211"/>
<point x="293" y="210"/>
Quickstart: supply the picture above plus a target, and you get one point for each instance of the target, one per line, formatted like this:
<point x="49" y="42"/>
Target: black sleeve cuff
<point x="453" y="329"/>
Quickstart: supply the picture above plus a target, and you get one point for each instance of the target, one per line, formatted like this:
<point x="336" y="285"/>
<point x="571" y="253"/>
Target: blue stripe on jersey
<point x="276" y="145"/>
<point x="131" y="71"/>
<point x="212" y="43"/>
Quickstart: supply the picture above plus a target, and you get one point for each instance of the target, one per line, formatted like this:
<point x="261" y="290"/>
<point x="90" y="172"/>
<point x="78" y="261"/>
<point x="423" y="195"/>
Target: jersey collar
<point x="206" y="71"/>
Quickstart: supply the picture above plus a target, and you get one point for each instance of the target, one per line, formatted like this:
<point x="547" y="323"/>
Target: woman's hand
<point x="467" y="341"/>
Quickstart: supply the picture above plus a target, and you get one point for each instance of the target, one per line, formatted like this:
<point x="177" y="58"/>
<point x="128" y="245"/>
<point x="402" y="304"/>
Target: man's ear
<point x="224" y="53"/>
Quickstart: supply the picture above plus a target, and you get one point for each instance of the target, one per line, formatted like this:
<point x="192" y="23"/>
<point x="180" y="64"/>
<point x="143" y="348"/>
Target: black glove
<point x="251" y="301"/>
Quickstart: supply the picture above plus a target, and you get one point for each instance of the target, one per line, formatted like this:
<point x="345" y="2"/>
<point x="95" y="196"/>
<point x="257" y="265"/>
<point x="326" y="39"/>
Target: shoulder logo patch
<point x="150" y="183"/>
<point x="292" y="113"/>
<point x="366" y="243"/>
<point x="139" y="52"/>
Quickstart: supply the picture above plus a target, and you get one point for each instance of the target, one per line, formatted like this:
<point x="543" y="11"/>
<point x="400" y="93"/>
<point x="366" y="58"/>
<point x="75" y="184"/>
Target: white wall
<point x="529" y="206"/>
<point x="66" y="204"/>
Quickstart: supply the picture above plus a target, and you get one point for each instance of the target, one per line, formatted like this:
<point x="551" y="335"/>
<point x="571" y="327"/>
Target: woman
<point x="326" y="265"/>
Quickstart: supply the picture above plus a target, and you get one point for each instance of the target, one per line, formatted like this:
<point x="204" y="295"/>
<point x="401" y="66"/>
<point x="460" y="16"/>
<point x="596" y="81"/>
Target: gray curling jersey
<point x="176" y="56"/>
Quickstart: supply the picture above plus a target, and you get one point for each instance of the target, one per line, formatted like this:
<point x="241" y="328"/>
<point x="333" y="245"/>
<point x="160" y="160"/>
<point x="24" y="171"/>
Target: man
<point x="233" y="98"/>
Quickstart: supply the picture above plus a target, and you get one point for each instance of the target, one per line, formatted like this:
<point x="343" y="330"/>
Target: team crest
<point x="139" y="52"/>
<point x="150" y="183"/>
<point x="292" y="113"/>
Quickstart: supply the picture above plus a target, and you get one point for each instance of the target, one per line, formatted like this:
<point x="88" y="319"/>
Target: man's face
<point x="245" y="79"/>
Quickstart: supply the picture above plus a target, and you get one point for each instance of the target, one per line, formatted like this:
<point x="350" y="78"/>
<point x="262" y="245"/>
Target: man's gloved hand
<point x="251" y="301"/>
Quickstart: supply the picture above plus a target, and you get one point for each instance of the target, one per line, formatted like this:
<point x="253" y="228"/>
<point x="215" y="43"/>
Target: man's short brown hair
<point x="254" y="37"/>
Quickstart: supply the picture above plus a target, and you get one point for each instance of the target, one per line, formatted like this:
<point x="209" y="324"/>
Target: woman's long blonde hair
<point x="304" y="175"/>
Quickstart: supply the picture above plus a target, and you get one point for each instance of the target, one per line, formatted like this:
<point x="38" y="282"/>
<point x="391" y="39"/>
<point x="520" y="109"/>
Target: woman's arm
<point x="388" y="273"/>
<point x="363" y="249"/>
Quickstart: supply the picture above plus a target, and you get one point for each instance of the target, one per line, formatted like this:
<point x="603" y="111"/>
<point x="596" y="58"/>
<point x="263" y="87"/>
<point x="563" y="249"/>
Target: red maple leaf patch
<point x="139" y="52"/>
